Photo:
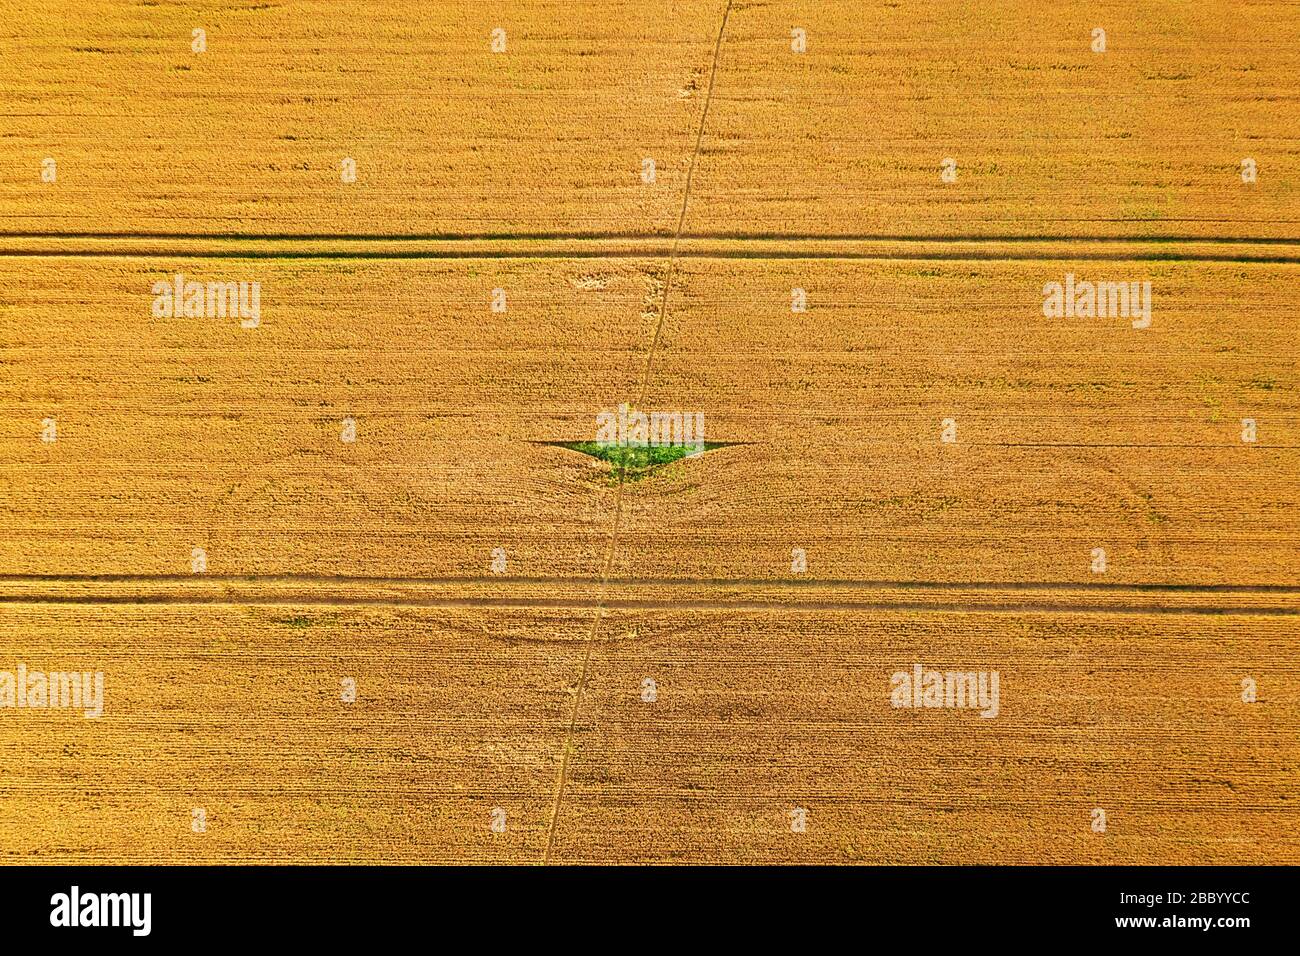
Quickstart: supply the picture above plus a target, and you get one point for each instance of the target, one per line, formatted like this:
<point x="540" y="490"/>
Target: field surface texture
<point x="964" y="521"/>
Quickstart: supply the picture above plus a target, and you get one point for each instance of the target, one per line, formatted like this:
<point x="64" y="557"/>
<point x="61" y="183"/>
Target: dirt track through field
<point x="562" y="776"/>
<point x="722" y="248"/>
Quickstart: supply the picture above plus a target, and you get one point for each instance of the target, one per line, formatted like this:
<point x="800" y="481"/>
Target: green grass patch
<point x="635" y="460"/>
<point x="297" y="623"/>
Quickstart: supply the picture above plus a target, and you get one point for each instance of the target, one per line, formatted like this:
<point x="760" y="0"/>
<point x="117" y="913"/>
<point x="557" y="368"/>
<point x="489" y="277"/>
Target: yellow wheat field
<point x="353" y="601"/>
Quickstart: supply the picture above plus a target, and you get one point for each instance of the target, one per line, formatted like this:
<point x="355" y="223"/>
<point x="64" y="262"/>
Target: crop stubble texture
<point x="523" y="693"/>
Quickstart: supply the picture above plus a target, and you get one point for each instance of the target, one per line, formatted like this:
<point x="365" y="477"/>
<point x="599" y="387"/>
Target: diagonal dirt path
<point x="563" y="776"/>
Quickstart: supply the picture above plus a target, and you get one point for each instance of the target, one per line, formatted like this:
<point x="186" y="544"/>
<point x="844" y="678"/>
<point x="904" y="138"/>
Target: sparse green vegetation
<point x="634" y="461"/>
<point x="297" y="623"/>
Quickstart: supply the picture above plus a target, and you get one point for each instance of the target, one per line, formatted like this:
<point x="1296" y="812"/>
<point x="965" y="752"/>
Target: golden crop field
<point x="303" y="306"/>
